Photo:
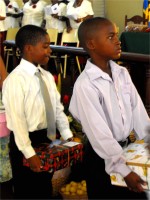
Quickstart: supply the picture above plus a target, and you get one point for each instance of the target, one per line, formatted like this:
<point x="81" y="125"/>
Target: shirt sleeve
<point x="141" y="120"/>
<point x="13" y="99"/>
<point x="85" y="106"/>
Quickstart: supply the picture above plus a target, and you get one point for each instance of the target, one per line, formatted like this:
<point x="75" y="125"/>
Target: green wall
<point x="115" y="10"/>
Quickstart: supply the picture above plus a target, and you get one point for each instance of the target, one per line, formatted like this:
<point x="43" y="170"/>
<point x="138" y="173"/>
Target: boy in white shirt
<point x="108" y="106"/>
<point x="27" y="114"/>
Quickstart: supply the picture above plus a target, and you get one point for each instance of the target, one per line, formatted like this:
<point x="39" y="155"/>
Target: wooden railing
<point x="137" y="64"/>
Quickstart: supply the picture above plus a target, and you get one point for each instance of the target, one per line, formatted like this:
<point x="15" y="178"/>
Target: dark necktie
<point x="51" y="125"/>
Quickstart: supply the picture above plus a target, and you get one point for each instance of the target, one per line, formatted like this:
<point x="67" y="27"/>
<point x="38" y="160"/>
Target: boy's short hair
<point x="29" y="34"/>
<point x="88" y="28"/>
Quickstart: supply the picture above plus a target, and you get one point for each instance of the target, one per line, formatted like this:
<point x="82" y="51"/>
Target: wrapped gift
<point x="4" y="131"/>
<point x="59" y="156"/>
<point x="138" y="159"/>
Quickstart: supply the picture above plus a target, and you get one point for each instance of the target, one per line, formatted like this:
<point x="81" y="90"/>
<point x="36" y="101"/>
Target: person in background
<point x="33" y="12"/>
<point x="108" y="106"/>
<point x="78" y="11"/>
<point x="3" y="28"/>
<point x="26" y="113"/>
<point x="6" y="191"/>
<point x="56" y="18"/>
<point x="13" y="19"/>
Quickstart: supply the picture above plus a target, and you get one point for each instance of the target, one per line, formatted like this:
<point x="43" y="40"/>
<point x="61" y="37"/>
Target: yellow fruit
<point x="73" y="194"/>
<point x="84" y="188"/>
<point x="73" y="183"/>
<point x="67" y="188"/>
<point x="63" y="189"/>
<point x="79" y="185"/>
<point x="68" y="193"/>
<point x="73" y="189"/>
<point x="80" y="192"/>
<point x="83" y="182"/>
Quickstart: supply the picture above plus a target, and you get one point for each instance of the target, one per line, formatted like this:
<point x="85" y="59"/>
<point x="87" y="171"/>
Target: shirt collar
<point x="29" y="67"/>
<point x="95" y="72"/>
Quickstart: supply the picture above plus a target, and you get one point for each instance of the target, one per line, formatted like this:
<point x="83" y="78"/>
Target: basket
<point x="69" y="196"/>
<point x="60" y="178"/>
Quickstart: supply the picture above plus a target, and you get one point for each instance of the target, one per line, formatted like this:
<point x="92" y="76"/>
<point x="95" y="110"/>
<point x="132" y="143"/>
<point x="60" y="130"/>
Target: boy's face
<point x="39" y="53"/>
<point x="105" y="42"/>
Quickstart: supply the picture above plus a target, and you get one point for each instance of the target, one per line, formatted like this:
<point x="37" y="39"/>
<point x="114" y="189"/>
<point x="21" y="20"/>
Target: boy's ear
<point x="90" y="44"/>
<point x="28" y="48"/>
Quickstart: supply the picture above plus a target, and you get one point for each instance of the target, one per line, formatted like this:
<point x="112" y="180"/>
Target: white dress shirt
<point x="33" y="13"/>
<point x="82" y="11"/>
<point x="25" y="108"/>
<point x="108" y="111"/>
<point x="2" y="14"/>
<point x="52" y="22"/>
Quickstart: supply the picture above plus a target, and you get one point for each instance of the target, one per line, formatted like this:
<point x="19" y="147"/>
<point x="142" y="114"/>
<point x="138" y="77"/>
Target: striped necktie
<point x="51" y="124"/>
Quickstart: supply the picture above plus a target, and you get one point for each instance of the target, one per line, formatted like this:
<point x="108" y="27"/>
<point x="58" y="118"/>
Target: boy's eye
<point x="46" y="46"/>
<point x="110" y="37"/>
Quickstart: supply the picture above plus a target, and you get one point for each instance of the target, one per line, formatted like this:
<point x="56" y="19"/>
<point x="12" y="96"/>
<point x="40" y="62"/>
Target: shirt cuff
<point x="28" y="152"/>
<point x="123" y="170"/>
<point x="66" y="134"/>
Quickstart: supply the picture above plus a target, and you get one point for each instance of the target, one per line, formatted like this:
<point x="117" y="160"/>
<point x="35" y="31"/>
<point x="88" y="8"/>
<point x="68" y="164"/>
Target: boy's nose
<point x="117" y="41"/>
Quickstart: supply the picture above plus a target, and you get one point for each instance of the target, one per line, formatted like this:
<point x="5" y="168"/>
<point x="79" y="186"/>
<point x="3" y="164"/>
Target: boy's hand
<point x="55" y="16"/>
<point x="134" y="182"/>
<point x="70" y="139"/>
<point x="69" y="28"/>
<point x="35" y="163"/>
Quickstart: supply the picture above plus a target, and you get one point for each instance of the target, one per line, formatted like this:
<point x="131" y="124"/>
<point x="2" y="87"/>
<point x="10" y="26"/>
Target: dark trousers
<point x="29" y="184"/>
<point x="98" y="181"/>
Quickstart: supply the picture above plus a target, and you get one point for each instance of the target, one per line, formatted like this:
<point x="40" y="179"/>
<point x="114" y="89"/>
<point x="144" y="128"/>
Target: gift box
<point x="59" y="156"/>
<point x="138" y="159"/>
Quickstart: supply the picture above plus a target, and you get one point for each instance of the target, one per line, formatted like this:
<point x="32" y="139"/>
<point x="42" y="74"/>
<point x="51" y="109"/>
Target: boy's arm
<point x="13" y="99"/>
